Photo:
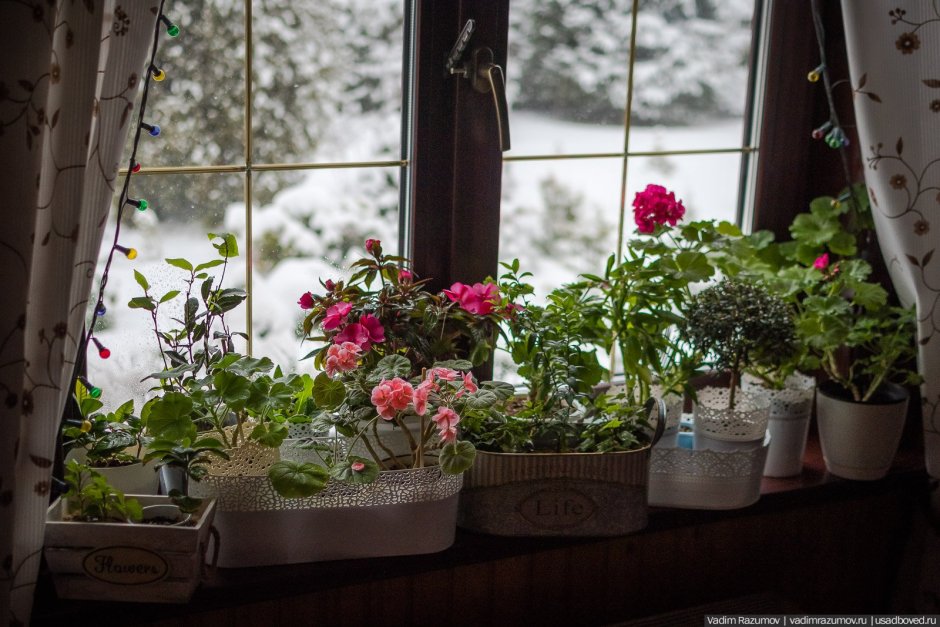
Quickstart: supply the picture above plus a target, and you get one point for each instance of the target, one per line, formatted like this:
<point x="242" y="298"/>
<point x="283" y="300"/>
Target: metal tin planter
<point x="556" y="494"/>
<point x="111" y="561"/>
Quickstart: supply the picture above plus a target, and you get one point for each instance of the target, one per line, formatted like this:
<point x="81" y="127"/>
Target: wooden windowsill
<point x="245" y="586"/>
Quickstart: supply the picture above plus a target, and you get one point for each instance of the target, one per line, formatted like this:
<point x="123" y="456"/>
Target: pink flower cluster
<point x="392" y="396"/>
<point x="478" y="299"/>
<point x="655" y="205"/>
<point x="822" y="262"/>
<point x="342" y="358"/>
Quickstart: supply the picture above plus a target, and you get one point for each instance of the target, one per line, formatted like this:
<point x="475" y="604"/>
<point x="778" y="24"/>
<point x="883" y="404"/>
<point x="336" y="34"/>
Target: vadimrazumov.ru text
<point x="794" y="620"/>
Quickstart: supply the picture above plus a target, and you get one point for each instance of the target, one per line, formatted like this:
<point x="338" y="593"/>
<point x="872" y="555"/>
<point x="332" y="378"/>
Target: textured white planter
<point x="404" y="512"/>
<point x="859" y="440"/>
<point x="747" y="422"/>
<point x="128" y="562"/>
<point x="790" y="411"/>
<point x="686" y="476"/>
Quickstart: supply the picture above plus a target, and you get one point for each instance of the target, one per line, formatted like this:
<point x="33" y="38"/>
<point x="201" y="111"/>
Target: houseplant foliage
<point x="394" y="355"/>
<point x="90" y="498"/>
<point x="846" y="326"/>
<point x="555" y="350"/>
<point x="211" y="399"/>
<point x="736" y="325"/>
<point x="105" y="437"/>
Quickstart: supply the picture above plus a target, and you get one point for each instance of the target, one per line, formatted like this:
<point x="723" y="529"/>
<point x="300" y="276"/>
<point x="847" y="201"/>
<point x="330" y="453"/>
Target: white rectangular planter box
<point x="127" y="562"/>
<point x="694" y="478"/>
<point x="404" y="512"/>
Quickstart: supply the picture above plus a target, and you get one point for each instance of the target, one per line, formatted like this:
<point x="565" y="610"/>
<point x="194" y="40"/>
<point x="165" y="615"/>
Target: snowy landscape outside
<point x="559" y="217"/>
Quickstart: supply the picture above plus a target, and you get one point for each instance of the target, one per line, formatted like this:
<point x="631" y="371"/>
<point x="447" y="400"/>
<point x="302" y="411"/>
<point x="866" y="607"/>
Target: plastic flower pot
<point x="791" y="409"/>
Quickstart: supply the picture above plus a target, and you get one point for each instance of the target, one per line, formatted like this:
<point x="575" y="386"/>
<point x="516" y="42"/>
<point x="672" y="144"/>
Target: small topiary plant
<point x="736" y="325"/>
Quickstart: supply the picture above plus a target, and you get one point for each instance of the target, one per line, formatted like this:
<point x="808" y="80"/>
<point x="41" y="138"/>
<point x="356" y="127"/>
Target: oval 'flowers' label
<point x="125" y="565"/>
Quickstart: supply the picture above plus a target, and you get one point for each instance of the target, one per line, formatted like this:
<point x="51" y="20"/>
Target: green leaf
<point x="169" y="296"/>
<point x="457" y="457"/>
<point x="389" y="367"/>
<point x="270" y="434"/>
<point x="209" y="264"/>
<point x="327" y="393"/>
<point x="141" y="280"/>
<point x="454" y="364"/>
<point x="169" y="417"/>
<point x="294" y="480"/>
<point x="180" y="263"/>
<point x="343" y="471"/>
<point x="142" y="302"/>
<point x="228" y="247"/>
<point x="233" y="388"/>
<point x="250" y="366"/>
<point x="870" y="295"/>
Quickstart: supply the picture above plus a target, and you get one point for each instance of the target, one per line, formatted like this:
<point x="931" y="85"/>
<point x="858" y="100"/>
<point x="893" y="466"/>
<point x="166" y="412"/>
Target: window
<point x="305" y="154"/>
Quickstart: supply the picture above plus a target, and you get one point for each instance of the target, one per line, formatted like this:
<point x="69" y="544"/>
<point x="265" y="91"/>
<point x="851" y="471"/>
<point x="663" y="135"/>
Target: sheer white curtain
<point x="69" y="76"/>
<point x="894" y="59"/>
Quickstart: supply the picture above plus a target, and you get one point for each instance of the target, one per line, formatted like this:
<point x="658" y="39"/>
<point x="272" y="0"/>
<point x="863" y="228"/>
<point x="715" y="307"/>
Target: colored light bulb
<point x="171" y="29"/>
<point x="130" y="253"/>
<point x="94" y="391"/>
<point x="85" y="426"/>
<point x="140" y="203"/>
<point x="820" y="131"/>
<point x="157" y="74"/>
<point x="153" y="129"/>
<point x="814" y="74"/>
<point x="103" y="350"/>
<point x="100" y="310"/>
<point x="135" y="168"/>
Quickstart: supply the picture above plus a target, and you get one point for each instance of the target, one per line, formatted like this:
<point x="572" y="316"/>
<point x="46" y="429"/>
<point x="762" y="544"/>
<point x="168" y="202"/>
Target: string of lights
<point x="156" y="73"/>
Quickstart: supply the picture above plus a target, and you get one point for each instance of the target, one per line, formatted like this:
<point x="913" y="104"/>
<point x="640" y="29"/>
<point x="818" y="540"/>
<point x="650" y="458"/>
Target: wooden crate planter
<point x="128" y="562"/>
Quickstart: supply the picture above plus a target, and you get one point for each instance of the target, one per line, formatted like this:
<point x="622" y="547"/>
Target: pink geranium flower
<point x="306" y="301"/>
<point x="655" y="205"/>
<point x="446" y="420"/>
<point x="478" y="299"/>
<point x="336" y="315"/>
<point x="373" y="246"/>
<point x="392" y="396"/>
<point x="342" y="358"/>
<point x="405" y="276"/>
<point x="420" y="400"/>
<point x="445" y="374"/>
<point x="468" y="383"/>
<point x="822" y="262"/>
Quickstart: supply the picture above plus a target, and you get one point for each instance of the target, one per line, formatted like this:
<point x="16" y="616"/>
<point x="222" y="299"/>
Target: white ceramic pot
<point x="859" y="440"/>
<point x="133" y="479"/>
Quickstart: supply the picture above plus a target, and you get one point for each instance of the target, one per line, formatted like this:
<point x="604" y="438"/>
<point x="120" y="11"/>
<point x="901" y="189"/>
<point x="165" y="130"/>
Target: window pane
<point x="129" y="332"/>
<point x="560" y="217"/>
<point x="706" y="184"/>
<point x="691" y="71"/>
<point x="327" y="81"/>
<point x="199" y="106"/>
<point x="311" y="231"/>
<point x="567" y="61"/>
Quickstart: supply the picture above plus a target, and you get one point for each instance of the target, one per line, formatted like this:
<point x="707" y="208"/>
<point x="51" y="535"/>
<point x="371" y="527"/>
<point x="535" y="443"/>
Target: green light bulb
<point x="173" y="30"/>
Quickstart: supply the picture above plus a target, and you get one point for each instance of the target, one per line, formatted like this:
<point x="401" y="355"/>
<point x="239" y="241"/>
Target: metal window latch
<point x="485" y="77"/>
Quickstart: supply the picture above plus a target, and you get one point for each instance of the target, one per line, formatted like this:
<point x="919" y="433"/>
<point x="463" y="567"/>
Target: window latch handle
<point x="487" y="77"/>
<point x="451" y="66"/>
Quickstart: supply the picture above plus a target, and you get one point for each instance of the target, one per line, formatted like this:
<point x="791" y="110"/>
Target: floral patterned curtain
<point x="69" y="75"/>
<point x="894" y="63"/>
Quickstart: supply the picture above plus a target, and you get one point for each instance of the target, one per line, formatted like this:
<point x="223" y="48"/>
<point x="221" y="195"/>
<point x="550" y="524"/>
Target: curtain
<point x="894" y="66"/>
<point x="70" y="71"/>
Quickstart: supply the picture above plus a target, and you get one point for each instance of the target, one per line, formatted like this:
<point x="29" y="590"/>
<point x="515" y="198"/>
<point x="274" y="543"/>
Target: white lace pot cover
<point x="790" y="412"/>
<point x="704" y="478"/>
<point x="404" y="512"/>
<point x="794" y="401"/>
<point x="556" y="494"/>
<point x="746" y="422"/>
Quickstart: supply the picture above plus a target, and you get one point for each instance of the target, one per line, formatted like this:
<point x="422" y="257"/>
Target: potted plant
<point x="863" y="344"/>
<point x="562" y="458"/>
<point x="103" y="545"/>
<point x="110" y="442"/>
<point x="736" y="325"/>
<point x="394" y="384"/>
